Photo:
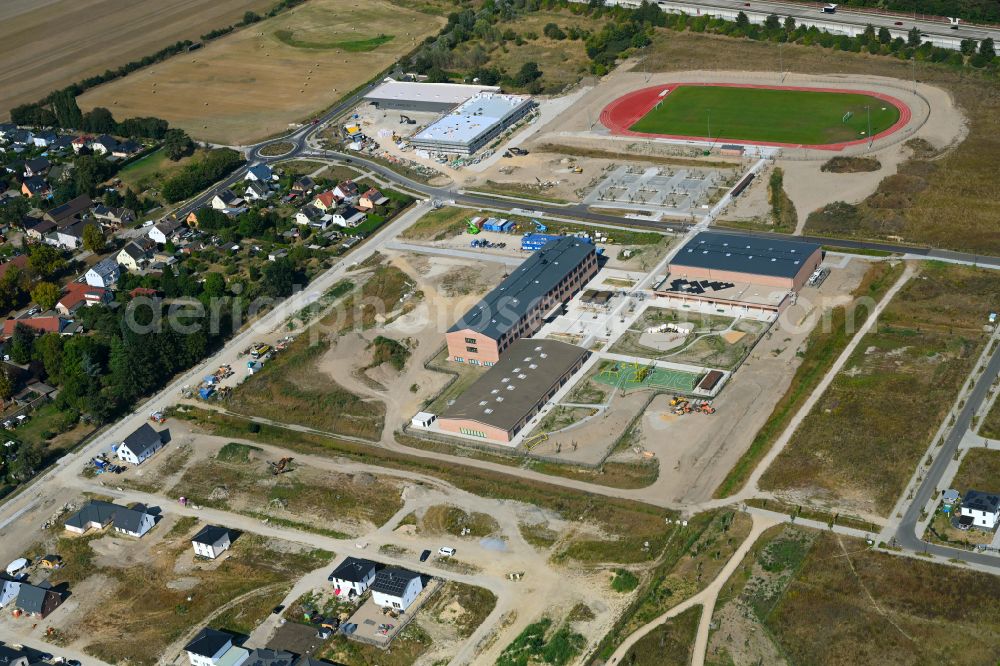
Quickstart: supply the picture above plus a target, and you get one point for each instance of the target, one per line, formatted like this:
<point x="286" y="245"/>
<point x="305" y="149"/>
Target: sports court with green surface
<point x="768" y="115"/>
<point x="631" y="375"/>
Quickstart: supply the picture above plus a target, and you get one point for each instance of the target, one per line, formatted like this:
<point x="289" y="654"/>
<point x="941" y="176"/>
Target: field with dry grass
<point x="951" y="201"/>
<point x="866" y="435"/>
<point x="254" y="82"/>
<point x="48" y="44"/>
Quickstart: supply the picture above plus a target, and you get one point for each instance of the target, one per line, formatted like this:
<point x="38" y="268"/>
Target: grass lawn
<point x="860" y="444"/>
<point x="758" y="114"/>
<point x="670" y="644"/>
<point x="439" y="224"/>
<point x="153" y="169"/>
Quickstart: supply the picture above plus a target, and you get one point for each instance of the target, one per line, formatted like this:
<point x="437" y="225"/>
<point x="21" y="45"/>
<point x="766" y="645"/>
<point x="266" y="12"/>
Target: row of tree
<point x="61" y="110"/>
<point x="215" y="165"/>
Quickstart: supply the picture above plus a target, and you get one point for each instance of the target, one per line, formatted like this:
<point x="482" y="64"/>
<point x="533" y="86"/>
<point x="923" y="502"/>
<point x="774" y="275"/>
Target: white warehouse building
<point x="473" y="124"/>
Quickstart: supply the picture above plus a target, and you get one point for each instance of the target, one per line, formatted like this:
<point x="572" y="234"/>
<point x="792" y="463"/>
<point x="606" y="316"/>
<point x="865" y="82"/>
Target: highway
<point x="849" y="21"/>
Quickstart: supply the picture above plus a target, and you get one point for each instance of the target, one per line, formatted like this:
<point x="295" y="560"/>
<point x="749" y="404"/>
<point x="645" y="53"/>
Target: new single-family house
<point x="269" y="657"/>
<point x="370" y="199"/>
<point x="104" y="144"/>
<point x="260" y="173"/>
<point x="211" y="541"/>
<point x="396" y="588"/>
<point x="126" y="148"/>
<point x="70" y="236"/>
<point x="136" y="253"/>
<point x="43" y="139"/>
<point x="10" y="656"/>
<point x="37" y="229"/>
<point x="37" y="600"/>
<point x="164" y="231"/>
<point x="214" y="648"/>
<point x="9" y="587"/>
<point x="303" y="185"/>
<point x="226" y="200"/>
<point x="142" y="443"/>
<point x="256" y="191"/>
<point x="353" y="577"/>
<point x="94" y="515"/>
<point x="104" y="273"/>
<point x="77" y="295"/>
<point x="113" y="218"/>
<point x="346" y="190"/>
<point x="313" y="217"/>
<point x="348" y="216"/>
<point x="69" y="211"/>
<point x="980" y="510"/>
<point x="135" y="521"/>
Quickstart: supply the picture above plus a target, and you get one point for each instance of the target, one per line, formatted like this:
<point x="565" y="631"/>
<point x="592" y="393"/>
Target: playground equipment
<point x="535" y="440"/>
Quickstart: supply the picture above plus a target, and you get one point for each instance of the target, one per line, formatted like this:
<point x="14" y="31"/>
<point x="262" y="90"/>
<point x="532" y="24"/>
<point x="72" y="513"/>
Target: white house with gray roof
<point x="396" y="588"/>
<point x="141" y="444"/>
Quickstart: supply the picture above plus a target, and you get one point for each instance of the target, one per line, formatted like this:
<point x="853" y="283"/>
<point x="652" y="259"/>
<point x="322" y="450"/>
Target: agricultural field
<point x="140" y="28"/>
<point x="866" y="435"/>
<point x="874" y="607"/>
<point x="305" y="59"/>
<point x="761" y="114"/>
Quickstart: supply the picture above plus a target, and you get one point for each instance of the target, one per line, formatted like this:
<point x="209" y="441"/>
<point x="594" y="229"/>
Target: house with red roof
<point x="80" y="294"/>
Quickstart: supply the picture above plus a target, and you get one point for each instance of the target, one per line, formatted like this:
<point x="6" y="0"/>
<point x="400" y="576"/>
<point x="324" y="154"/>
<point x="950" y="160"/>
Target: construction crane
<point x="281" y="466"/>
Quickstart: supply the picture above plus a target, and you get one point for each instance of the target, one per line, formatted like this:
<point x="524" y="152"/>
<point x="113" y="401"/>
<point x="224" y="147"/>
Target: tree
<point x="528" y="73"/>
<point x="869" y="34"/>
<point x="250" y="17"/>
<point x="987" y="49"/>
<point x="214" y="285"/>
<point x="913" y="38"/>
<point x="68" y="114"/>
<point x="6" y="386"/>
<point x="279" y="277"/>
<point x="131" y="201"/>
<point x="553" y="31"/>
<point x="968" y="46"/>
<point x="93" y="238"/>
<point x="13" y="210"/>
<point x="45" y="260"/>
<point x="99" y="120"/>
<point x="789" y="24"/>
<point x="46" y="295"/>
<point x="742" y="21"/>
<point x="177" y="144"/>
<point x="21" y="343"/>
<point x="772" y="22"/>
<point x="884" y="36"/>
<point x="48" y="349"/>
<point x="89" y="171"/>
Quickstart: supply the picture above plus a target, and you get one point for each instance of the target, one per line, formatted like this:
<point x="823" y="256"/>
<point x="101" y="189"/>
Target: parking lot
<point x="675" y="191"/>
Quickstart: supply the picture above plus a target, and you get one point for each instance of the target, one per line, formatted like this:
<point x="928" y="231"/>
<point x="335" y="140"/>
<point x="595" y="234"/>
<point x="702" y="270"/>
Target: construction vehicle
<point x="406" y="120"/>
<point x="514" y="150"/>
<point x="677" y="399"/>
<point x="539" y="226"/>
<point x="471" y="227"/>
<point x="157" y="417"/>
<point x="577" y="169"/>
<point x="259" y="350"/>
<point x="281" y="466"/>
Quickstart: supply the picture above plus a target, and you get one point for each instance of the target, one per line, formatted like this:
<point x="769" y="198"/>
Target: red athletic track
<point x="624" y="112"/>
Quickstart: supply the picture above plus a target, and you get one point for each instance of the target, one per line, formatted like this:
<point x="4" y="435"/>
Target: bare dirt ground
<point x="250" y="84"/>
<point x="589" y="440"/>
<point x="936" y="119"/>
<point x="48" y="44"/>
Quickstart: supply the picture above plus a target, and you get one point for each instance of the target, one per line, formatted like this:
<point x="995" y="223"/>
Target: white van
<point x="446" y="551"/>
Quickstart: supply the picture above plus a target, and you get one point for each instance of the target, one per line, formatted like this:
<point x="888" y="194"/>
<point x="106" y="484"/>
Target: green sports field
<point x="760" y="114"/>
<point x="630" y="376"/>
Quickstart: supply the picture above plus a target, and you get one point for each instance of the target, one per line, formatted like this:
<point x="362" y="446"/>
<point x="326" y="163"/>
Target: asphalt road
<point x="906" y="536"/>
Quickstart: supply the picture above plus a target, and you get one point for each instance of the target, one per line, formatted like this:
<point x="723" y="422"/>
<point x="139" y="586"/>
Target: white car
<point x="446" y="551"/>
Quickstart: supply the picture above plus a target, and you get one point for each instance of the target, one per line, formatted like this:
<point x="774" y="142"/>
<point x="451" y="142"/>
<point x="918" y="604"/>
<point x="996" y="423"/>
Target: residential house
<point x="226" y="200"/>
<point x="260" y="173"/>
<point x="211" y="541"/>
<point x="348" y="216"/>
<point x="62" y="144"/>
<point x="46" y="324"/>
<point x="126" y="149"/>
<point x="6" y="129"/>
<point x="44" y="139"/>
<point x="67" y="212"/>
<point x="113" y="218"/>
<point x="21" y="137"/>
<point x="269" y="657"/>
<point x="16" y="167"/>
<point x="312" y="216"/>
<point x="346" y="190"/>
<point x="303" y="185"/>
<point x="134" y="521"/>
<point x="37" y="600"/>
<point x="94" y="515"/>
<point x="78" y="294"/>
<point x="980" y="510"/>
<point x="35" y="187"/>
<point x="104" y="144"/>
<point x="20" y="262"/>
<point x="353" y="577"/>
<point x="135" y="254"/>
<point x="142" y="443"/>
<point x="38" y="166"/>
<point x="81" y="142"/>
<point x="396" y="588"/>
<point x="256" y="191"/>
<point x="325" y="201"/>
<point x="144" y="292"/>
<point x="70" y="237"/>
<point x="164" y="231"/>
<point x="9" y="587"/>
<point x="104" y="273"/>
<point x="13" y="657"/>
<point x="214" y="648"/>
<point x="274" y="255"/>
<point x="370" y="199"/>
<point x="61" y="173"/>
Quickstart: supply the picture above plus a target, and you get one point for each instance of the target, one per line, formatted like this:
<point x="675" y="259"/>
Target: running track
<point x="624" y="112"/>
